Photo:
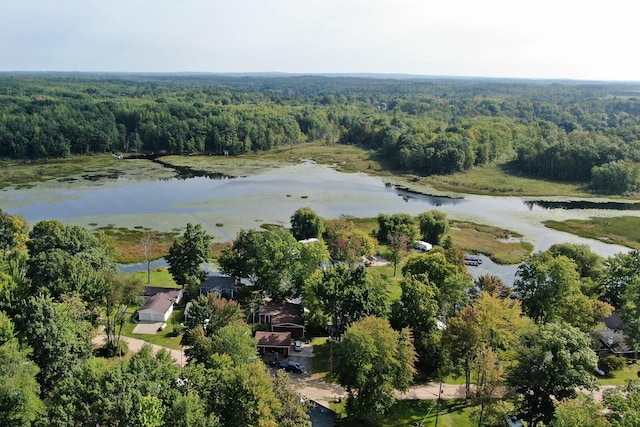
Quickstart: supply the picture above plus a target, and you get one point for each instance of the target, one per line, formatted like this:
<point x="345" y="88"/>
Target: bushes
<point x="611" y="364"/>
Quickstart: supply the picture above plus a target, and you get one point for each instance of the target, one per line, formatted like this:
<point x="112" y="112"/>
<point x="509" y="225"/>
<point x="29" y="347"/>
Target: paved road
<point x="324" y="393"/>
<point x="315" y="388"/>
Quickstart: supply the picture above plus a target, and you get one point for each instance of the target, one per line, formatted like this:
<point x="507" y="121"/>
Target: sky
<point x="552" y="39"/>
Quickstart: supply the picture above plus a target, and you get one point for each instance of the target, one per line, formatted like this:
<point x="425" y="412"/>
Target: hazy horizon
<point x="549" y="40"/>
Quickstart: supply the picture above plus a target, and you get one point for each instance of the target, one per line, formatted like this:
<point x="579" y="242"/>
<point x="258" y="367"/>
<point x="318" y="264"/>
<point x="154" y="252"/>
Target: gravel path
<point x="135" y="345"/>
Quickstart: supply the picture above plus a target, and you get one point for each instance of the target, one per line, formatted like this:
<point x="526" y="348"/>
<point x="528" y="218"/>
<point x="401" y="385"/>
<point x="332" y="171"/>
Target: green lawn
<point x="164" y="338"/>
<point x="629" y="373"/>
<point x="159" y="277"/>
<point x="453" y="413"/>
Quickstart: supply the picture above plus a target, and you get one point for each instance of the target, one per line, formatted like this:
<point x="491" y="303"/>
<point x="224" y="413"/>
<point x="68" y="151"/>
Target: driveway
<point x="147" y="328"/>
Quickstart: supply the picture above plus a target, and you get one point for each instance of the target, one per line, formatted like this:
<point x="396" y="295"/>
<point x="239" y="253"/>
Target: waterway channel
<point x="225" y="205"/>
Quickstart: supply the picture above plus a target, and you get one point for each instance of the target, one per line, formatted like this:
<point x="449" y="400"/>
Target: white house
<point x="159" y="307"/>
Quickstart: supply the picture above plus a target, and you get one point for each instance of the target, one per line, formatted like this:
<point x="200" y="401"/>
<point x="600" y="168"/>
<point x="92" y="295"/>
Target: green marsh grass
<point x="623" y="230"/>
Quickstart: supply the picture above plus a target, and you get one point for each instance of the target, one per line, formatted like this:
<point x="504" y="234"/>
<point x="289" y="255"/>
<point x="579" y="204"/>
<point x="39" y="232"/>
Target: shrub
<point x="611" y="364"/>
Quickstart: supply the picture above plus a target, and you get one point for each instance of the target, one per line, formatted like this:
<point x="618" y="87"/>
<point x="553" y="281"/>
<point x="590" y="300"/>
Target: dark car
<point x="291" y="366"/>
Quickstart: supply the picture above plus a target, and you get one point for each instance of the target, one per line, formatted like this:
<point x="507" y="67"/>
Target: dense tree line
<point x="556" y="130"/>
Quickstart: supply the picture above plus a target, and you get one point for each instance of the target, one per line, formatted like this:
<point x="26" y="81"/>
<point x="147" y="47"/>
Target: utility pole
<point x="438" y="404"/>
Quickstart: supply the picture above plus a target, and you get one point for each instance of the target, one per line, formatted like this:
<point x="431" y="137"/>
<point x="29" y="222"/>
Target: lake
<point x="225" y="205"/>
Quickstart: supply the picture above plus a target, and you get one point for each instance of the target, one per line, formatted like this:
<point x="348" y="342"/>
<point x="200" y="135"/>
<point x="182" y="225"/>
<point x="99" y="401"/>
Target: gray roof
<point x="321" y="416"/>
<point x="218" y="283"/>
<point x="159" y="302"/>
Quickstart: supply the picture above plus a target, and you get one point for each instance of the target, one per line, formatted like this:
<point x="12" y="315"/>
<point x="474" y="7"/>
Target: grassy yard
<point x="160" y="277"/>
<point x="629" y="373"/>
<point x="164" y="338"/>
<point x="624" y="230"/>
<point x="404" y="413"/>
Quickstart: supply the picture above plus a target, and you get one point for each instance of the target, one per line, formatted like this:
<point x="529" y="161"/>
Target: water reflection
<point x="187" y="172"/>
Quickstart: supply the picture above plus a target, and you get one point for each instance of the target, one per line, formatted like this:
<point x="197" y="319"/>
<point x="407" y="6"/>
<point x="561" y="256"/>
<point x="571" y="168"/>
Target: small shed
<point x="273" y="342"/>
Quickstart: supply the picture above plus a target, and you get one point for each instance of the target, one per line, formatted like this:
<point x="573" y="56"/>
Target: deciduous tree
<point x="579" y="412"/>
<point x="434" y="226"/>
<point x="545" y="284"/>
<point x="20" y="404"/>
<point x="186" y="255"/>
<point x="343" y="295"/>
<point x="550" y="365"/>
<point x="269" y="258"/>
<point x="373" y="361"/>
<point x="306" y="224"/>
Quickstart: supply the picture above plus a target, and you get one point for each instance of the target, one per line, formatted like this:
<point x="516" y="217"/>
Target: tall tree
<point x="66" y="259"/>
<point x="493" y="285"/>
<point x="588" y="264"/>
<point x="490" y="382"/>
<point x="214" y="311"/>
<point x="545" y="283"/>
<point x="306" y="224"/>
<point x="398" y="248"/>
<point x="148" y="242"/>
<point x="20" y="404"/>
<point x="117" y="293"/>
<point x="186" y="255"/>
<point x="269" y="258"/>
<point x="623" y="404"/>
<point x="345" y="242"/>
<point x="452" y="284"/>
<point x="13" y="232"/>
<point x="342" y="295"/>
<point x="550" y="365"/>
<point x="463" y="339"/>
<point x="59" y="342"/>
<point x="434" y="226"/>
<point x="620" y="270"/>
<point x="295" y="408"/>
<point x="373" y="361"/>
<point x="398" y="224"/>
<point x="417" y="310"/>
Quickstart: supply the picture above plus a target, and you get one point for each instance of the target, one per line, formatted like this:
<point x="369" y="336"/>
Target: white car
<point x="297" y="346"/>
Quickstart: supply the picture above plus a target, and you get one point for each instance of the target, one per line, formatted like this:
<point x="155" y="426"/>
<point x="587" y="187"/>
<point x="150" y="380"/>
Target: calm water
<point x="226" y="205"/>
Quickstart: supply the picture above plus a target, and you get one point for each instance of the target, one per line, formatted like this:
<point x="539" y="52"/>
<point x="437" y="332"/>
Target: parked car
<point x="297" y="346"/>
<point x="474" y="260"/>
<point x="291" y="366"/>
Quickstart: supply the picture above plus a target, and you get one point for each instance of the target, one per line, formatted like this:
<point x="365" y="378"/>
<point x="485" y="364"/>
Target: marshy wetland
<point x="230" y="194"/>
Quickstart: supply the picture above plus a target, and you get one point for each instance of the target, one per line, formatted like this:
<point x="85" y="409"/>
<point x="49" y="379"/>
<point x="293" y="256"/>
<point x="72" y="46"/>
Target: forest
<point x="586" y="132"/>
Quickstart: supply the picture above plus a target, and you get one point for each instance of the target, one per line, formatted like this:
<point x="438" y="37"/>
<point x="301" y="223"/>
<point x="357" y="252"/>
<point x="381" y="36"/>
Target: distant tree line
<point x="555" y="130"/>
